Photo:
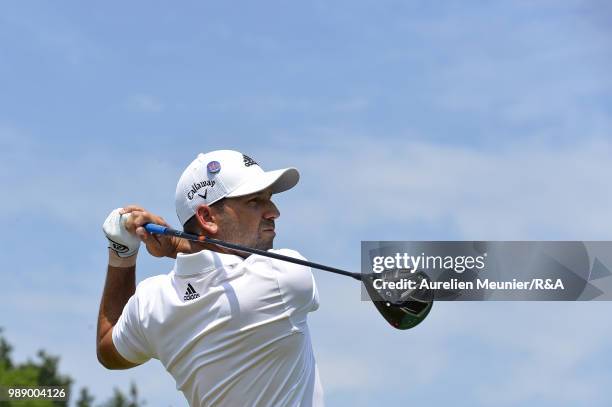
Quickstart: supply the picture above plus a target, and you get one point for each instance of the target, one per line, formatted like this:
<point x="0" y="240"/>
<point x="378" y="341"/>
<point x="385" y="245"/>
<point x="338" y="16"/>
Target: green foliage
<point x="5" y="353"/>
<point x="85" y="398"/>
<point x="119" y="400"/>
<point x="44" y="372"/>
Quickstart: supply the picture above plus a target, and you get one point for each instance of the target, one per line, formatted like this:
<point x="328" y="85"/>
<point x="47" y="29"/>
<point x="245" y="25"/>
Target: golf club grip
<point x="164" y="230"/>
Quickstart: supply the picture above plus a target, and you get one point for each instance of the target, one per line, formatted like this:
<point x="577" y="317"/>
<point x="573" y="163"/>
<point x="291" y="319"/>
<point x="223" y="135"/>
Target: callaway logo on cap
<point x="225" y="174"/>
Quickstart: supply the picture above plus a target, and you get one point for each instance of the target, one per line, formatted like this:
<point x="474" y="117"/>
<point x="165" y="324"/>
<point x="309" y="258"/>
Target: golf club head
<point x="402" y="308"/>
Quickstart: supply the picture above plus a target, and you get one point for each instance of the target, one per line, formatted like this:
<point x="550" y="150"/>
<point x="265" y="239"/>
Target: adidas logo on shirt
<point x="190" y="294"/>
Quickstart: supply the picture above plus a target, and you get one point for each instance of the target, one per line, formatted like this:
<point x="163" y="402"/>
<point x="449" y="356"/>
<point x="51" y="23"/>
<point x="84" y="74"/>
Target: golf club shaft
<point x="164" y="230"/>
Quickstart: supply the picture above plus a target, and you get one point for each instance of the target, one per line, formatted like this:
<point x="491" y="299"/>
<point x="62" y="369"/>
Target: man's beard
<point x="264" y="243"/>
<point x="234" y="234"/>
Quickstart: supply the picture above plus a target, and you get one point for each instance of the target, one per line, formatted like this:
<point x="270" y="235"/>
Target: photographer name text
<point x="479" y="284"/>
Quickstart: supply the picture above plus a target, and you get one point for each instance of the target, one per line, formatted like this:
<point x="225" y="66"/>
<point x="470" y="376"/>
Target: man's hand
<point x="123" y="243"/>
<point x="157" y="245"/>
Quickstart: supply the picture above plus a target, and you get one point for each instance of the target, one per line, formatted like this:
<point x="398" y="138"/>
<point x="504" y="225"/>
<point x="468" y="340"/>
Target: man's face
<point x="248" y="220"/>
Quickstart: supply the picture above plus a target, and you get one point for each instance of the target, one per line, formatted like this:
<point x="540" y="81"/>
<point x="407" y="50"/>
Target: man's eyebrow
<point x="263" y="193"/>
<point x="256" y="195"/>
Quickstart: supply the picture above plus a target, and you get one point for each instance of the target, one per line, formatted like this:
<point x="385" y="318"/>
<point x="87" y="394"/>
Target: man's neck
<point x="196" y="247"/>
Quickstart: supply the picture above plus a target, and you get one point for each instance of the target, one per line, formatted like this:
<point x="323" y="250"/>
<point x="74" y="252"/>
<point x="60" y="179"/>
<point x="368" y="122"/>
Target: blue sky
<point x="408" y="120"/>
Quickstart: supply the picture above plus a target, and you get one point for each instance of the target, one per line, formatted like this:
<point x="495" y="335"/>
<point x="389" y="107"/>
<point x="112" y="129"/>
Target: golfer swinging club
<point x="231" y="328"/>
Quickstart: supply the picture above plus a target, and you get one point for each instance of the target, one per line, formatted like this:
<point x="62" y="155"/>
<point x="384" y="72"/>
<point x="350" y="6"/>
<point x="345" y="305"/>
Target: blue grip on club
<point x="157" y="229"/>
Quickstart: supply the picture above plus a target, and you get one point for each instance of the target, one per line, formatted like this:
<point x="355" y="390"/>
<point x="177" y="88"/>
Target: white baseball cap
<point x="226" y="174"/>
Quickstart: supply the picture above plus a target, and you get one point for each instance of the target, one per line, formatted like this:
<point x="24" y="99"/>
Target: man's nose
<point x="271" y="211"/>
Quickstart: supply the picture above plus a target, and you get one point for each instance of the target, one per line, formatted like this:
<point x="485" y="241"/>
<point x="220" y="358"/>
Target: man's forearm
<point x="182" y="246"/>
<point x="119" y="287"/>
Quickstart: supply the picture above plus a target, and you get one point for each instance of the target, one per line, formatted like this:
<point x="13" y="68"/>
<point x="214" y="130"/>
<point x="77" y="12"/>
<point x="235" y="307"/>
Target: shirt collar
<point x="203" y="261"/>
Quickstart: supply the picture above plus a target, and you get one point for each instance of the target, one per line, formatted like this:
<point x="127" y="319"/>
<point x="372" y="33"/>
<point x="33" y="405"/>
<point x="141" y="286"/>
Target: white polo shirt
<point x="231" y="331"/>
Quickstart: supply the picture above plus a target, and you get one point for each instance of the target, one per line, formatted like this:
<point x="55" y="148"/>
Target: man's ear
<point x="207" y="220"/>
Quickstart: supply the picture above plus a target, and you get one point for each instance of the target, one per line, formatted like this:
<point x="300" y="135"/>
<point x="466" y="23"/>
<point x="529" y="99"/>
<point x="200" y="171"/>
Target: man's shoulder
<point x="288" y="252"/>
<point x="153" y="283"/>
<point x="286" y="267"/>
<point x="296" y="282"/>
<point x="274" y="265"/>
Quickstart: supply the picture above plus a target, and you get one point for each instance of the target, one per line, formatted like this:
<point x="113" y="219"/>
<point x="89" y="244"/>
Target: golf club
<point x="403" y="310"/>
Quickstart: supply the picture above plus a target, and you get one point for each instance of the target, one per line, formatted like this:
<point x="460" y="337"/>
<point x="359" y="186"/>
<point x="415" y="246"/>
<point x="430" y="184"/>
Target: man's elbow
<point x="101" y="359"/>
<point x="110" y="358"/>
<point x="104" y="359"/>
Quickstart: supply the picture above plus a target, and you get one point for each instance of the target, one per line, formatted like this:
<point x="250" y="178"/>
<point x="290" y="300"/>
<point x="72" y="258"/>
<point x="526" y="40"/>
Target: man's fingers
<point x="139" y="216"/>
<point x="135" y="219"/>
<point x="131" y="208"/>
<point x="158" y="246"/>
<point x="141" y="233"/>
<point x="146" y="237"/>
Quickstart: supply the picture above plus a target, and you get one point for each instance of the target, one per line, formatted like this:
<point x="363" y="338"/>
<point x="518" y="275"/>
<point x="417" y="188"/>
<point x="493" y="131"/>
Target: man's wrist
<point x="114" y="260"/>
<point x="182" y="246"/>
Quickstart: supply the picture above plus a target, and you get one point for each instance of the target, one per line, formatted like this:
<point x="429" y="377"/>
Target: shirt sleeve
<point x="297" y="284"/>
<point x="128" y="335"/>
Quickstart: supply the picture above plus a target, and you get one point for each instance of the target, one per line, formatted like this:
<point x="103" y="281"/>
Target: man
<point x="230" y="327"/>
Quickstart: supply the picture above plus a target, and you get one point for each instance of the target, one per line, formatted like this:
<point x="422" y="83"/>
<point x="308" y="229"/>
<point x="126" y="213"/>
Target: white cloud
<point x="81" y="189"/>
<point x="355" y="104"/>
<point x="492" y="353"/>
<point x="49" y="32"/>
<point x="276" y="104"/>
<point x="145" y="103"/>
<point x="557" y="342"/>
<point x="519" y="191"/>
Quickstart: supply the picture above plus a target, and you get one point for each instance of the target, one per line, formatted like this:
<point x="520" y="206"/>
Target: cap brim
<point x="279" y="180"/>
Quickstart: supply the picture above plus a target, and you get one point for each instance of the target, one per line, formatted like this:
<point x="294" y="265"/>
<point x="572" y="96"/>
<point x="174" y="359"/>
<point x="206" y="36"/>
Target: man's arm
<point x="120" y="285"/>
<point x="123" y="228"/>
